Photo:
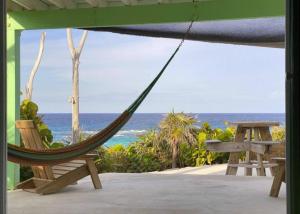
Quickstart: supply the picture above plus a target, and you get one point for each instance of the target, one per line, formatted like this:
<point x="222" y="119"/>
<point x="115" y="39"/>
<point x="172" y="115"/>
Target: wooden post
<point x="265" y="135"/>
<point x="3" y="145"/>
<point x="29" y="85"/>
<point x="75" y="54"/>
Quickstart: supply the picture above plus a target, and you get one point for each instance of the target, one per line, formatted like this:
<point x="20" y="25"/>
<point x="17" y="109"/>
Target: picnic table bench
<point x="254" y="139"/>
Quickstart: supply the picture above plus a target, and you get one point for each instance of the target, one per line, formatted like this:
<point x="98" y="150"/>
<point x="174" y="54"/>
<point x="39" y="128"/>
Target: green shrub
<point x="278" y="134"/>
<point x="201" y="155"/>
<point x="186" y="155"/>
<point x="117" y="157"/>
<point x="142" y="158"/>
<point x="136" y="157"/>
<point x="150" y="153"/>
<point x="29" y="111"/>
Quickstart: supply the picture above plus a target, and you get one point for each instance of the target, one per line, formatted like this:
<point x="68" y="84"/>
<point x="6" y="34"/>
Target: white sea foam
<point x="119" y="133"/>
<point x="132" y="131"/>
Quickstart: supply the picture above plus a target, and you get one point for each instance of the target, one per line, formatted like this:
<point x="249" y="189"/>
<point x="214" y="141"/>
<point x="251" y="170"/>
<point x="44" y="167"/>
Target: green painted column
<point x="13" y="100"/>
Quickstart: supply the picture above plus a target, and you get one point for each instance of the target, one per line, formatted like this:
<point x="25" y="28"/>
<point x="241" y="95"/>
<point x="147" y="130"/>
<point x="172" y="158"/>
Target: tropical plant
<point x="29" y="111"/>
<point x="151" y="152"/>
<point x="186" y="154"/>
<point x="201" y="154"/>
<point x="278" y="134"/>
<point x="142" y="158"/>
<point x="175" y="129"/>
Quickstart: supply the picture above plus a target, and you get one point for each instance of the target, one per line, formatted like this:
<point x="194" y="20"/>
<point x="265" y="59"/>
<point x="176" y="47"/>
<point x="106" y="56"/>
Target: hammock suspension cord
<point x="55" y="156"/>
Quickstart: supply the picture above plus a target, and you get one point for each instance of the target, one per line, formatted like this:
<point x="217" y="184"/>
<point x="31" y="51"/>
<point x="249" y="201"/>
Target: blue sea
<point x="60" y="124"/>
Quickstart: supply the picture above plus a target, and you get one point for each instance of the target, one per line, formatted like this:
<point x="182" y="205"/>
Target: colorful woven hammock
<point x="54" y="156"/>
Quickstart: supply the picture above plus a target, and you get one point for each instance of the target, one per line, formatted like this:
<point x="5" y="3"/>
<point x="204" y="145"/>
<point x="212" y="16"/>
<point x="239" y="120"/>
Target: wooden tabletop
<point x="254" y="124"/>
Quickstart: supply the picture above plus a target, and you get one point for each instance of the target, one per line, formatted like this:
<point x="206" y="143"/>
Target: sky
<point x="114" y="69"/>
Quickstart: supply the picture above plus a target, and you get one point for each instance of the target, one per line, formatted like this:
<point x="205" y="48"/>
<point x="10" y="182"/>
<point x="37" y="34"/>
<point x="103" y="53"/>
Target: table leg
<point x="235" y="156"/>
<point x="266" y="136"/>
<point x="278" y="179"/>
<point x="233" y="159"/>
<point x="256" y="134"/>
<point x="261" y="170"/>
<point x="248" y="171"/>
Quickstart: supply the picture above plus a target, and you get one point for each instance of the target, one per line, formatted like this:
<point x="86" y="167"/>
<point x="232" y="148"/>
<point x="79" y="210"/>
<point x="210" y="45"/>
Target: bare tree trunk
<point x="29" y="85"/>
<point x="75" y="54"/>
<point x="174" y="155"/>
<point x="75" y="103"/>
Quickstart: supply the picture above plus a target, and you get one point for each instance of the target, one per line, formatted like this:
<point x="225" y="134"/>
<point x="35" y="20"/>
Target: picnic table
<point x="254" y="139"/>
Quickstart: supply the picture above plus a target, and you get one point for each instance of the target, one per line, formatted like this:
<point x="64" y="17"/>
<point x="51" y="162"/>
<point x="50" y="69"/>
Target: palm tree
<point x="177" y="128"/>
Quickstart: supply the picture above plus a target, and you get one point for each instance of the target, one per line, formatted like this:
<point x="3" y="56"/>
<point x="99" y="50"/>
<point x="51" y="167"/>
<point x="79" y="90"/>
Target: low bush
<point x="150" y="152"/>
<point x="149" y="155"/>
<point x="278" y="134"/>
<point x="140" y="156"/>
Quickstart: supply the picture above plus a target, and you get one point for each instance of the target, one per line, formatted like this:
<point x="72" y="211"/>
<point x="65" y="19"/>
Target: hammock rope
<point x="54" y="156"/>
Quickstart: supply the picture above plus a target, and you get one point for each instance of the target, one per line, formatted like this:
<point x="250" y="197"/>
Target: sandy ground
<point x="201" y="190"/>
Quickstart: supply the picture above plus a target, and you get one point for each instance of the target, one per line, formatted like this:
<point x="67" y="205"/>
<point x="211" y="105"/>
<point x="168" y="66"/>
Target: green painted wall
<point x="160" y="13"/>
<point x="13" y="99"/>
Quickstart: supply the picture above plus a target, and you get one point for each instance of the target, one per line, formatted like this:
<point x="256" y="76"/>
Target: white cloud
<point x="114" y="69"/>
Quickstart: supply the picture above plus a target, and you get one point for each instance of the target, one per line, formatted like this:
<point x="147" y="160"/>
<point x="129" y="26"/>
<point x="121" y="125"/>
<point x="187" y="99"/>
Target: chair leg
<point x="64" y="180"/>
<point x="94" y="174"/>
<point x="32" y="184"/>
<point x="278" y="179"/>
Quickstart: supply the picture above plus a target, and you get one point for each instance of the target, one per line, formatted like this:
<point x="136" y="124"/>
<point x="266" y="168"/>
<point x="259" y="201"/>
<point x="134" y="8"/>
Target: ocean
<point x="60" y="124"/>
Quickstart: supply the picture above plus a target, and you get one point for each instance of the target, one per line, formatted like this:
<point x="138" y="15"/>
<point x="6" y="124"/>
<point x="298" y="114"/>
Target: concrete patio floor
<point x="198" y="190"/>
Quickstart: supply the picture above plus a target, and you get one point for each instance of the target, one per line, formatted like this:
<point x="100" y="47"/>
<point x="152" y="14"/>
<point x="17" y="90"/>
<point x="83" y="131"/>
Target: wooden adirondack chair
<point x="51" y="179"/>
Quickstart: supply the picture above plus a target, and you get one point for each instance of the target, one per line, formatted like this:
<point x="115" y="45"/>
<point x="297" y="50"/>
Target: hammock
<point x="54" y="156"/>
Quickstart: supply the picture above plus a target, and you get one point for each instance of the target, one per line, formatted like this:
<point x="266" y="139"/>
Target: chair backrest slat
<point x="32" y="140"/>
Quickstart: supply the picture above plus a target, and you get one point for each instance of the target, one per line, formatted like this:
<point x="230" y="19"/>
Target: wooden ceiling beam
<point x="31" y="4"/>
<point x="57" y="3"/>
<point x="12" y="6"/>
<point x="163" y="1"/>
<point x="70" y="4"/>
<point x="102" y="3"/>
<point x="93" y="3"/>
<point x="130" y="2"/>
